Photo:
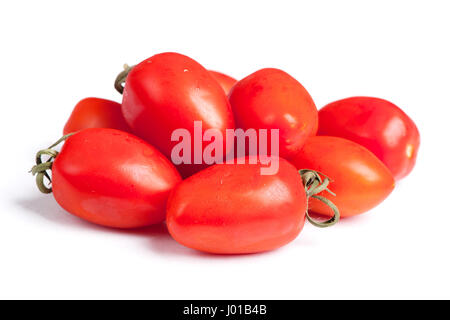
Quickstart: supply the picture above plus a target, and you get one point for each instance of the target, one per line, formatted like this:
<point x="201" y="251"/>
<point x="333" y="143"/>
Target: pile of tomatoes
<point x="114" y="168"/>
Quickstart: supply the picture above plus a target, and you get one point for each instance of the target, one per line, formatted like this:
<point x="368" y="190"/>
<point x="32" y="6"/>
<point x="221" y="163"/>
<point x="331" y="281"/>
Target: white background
<point x="54" y="53"/>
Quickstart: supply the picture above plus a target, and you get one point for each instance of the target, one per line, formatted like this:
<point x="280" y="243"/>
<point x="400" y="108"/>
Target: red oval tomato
<point x="96" y="113"/>
<point x="359" y="179"/>
<point x="112" y="178"/>
<point x="232" y="208"/>
<point x="272" y="99"/>
<point x="225" y="81"/>
<point x="170" y="91"/>
<point x="376" y="124"/>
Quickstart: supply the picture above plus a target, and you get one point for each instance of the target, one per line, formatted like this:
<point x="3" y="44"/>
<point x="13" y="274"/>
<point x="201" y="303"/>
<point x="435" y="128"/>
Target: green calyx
<point x="314" y="184"/>
<point x="42" y="167"/>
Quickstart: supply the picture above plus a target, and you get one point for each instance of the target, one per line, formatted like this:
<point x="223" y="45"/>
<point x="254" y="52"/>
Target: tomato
<point x="232" y="208"/>
<point x="170" y="91"/>
<point x="272" y="99"/>
<point x="226" y="82"/>
<point x="112" y="178"/>
<point x="96" y="113"/>
<point x="376" y="124"/>
<point x="359" y="179"/>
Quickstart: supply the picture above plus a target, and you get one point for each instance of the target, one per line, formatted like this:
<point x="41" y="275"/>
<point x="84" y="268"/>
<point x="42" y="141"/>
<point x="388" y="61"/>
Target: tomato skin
<point x="272" y="99"/>
<point x="96" y="113"/>
<point x="233" y="209"/>
<point x="376" y="124"/>
<point x="225" y="81"/>
<point x="359" y="179"/>
<point x="170" y="91"/>
<point x="112" y="178"/>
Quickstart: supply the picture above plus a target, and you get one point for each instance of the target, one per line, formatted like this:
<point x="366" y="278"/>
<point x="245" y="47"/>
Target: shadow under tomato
<point x="168" y="247"/>
<point x="159" y="239"/>
<point x="47" y="208"/>
<point x="156" y="237"/>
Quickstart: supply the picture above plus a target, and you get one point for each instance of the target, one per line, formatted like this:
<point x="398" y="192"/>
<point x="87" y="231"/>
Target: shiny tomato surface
<point x="96" y="113"/>
<point x="376" y="124"/>
<point x="112" y="178"/>
<point x="170" y="91"/>
<point x="225" y="81"/>
<point x="359" y="179"/>
<point x="232" y="208"/>
<point x="272" y="99"/>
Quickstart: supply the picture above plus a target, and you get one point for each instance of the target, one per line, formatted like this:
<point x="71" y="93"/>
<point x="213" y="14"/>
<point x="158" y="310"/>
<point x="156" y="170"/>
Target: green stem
<point x="314" y="184"/>
<point x="41" y="168"/>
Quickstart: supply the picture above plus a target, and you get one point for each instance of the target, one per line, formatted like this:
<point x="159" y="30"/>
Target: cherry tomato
<point x="232" y="208"/>
<point x="112" y="178"/>
<point x="272" y="99"/>
<point x="96" y="113"/>
<point x="376" y="124"/>
<point x="359" y="179"/>
<point x="226" y="82"/>
<point x="170" y="91"/>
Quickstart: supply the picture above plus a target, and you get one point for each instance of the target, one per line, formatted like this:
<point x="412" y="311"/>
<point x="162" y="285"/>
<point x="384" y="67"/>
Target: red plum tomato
<point x="170" y="91"/>
<point x="272" y="99"/>
<point x="233" y="209"/>
<point x="359" y="179"/>
<point x="112" y="178"/>
<point x="225" y="81"/>
<point x="376" y="124"/>
<point x="96" y="113"/>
